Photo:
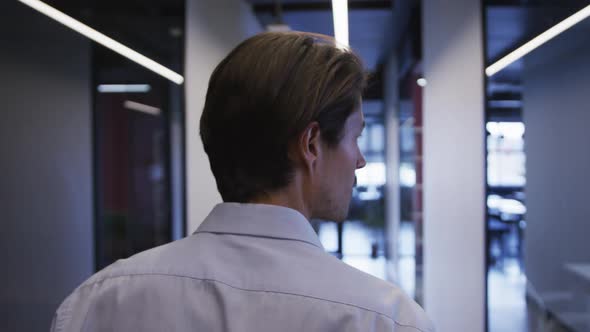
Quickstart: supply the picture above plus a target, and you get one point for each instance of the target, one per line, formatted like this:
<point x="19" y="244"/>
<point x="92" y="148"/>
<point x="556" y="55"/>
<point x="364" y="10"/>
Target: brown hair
<point x="263" y="95"/>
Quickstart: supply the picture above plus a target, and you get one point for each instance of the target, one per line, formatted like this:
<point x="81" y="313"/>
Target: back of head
<point x="262" y="95"/>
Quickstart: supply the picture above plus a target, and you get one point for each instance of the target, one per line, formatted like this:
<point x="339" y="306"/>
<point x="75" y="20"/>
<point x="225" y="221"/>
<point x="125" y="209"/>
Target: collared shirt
<point x="248" y="267"/>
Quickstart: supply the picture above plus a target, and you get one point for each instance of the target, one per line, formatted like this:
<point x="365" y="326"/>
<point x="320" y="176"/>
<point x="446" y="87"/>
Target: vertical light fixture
<point x="538" y="41"/>
<point x="100" y="38"/>
<point x="340" y="15"/>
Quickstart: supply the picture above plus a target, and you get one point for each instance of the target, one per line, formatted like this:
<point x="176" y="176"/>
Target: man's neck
<point x="288" y="197"/>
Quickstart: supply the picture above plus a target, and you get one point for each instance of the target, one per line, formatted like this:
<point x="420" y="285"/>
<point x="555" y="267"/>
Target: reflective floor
<point x="407" y="259"/>
<point x="357" y="240"/>
<point x="506" y="298"/>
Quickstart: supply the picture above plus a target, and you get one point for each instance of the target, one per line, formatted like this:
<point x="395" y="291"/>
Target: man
<point x="280" y="127"/>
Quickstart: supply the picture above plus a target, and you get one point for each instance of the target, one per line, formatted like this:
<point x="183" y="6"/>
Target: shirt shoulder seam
<point x="253" y="290"/>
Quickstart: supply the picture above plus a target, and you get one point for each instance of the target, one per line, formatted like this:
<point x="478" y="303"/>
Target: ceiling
<point x="370" y="22"/>
<point x="153" y="27"/>
<point x="508" y="25"/>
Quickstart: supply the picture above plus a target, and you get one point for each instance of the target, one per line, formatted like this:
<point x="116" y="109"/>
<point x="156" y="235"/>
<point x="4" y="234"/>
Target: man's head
<point x="283" y="111"/>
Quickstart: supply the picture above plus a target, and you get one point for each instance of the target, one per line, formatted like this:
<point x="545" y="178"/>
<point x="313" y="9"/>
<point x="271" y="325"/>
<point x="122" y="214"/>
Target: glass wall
<point x="538" y="249"/>
<point x="138" y="133"/>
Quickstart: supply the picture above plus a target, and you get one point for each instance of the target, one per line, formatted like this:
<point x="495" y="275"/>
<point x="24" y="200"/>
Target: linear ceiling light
<point x="340" y="15"/>
<point x="135" y="106"/>
<point x="124" y="88"/>
<point x="538" y="41"/>
<point x="104" y="40"/>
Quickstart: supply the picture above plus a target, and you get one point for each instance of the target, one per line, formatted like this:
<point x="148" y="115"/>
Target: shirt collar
<point x="261" y="220"/>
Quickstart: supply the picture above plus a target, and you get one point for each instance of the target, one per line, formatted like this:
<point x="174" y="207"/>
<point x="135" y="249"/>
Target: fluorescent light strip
<point x="340" y="15"/>
<point x="538" y="41"/>
<point x="135" y="106"/>
<point x="123" y="88"/>
<point x="104" y="40"/>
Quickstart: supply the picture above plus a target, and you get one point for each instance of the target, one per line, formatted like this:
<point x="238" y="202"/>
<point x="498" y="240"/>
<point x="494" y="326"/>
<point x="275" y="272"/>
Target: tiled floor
<point x="506" y="298"/>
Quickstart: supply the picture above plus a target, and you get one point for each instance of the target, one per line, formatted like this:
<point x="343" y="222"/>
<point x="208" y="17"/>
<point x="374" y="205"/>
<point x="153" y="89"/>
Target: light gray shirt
<point x="248" y="267"/>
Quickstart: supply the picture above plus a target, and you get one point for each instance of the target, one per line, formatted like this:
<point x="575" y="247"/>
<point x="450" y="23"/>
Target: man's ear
<point x="307" y="148"/>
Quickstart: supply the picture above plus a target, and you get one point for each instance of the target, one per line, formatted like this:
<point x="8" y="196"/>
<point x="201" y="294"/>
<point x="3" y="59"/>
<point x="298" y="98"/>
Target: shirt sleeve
<point x="63" y="315"/>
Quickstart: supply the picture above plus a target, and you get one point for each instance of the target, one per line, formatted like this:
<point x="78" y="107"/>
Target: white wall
<point x="454" y="182"/>
<point x="46" y="240"/>
<point x="556" y="96"/>
<point x="213" y="29"/>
